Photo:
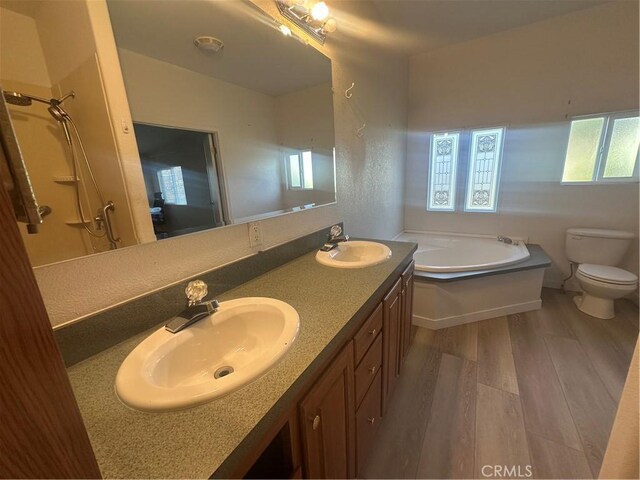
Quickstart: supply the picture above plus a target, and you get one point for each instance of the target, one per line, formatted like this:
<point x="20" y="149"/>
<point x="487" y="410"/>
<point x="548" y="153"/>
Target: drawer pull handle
<point x="371" y="420"/>
<point x="373" y="332"/>
<point x="372" y="370"/>
<point x="316" y="422"/>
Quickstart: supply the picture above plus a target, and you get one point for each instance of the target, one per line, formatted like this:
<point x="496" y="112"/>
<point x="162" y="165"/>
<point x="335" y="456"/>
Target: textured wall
<point x="531" y="79"/>
<point x="369" y="192"/>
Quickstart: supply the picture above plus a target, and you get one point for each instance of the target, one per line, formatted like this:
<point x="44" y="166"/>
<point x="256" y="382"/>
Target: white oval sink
<point x="355" y="254"/>
<point x="172" y="371"/>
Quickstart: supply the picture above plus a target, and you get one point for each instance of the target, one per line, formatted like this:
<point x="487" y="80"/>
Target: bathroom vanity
<point x="313" y="415"/>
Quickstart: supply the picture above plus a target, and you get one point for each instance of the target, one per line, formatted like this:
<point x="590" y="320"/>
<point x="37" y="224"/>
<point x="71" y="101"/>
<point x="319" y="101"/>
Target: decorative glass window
<point x="442" y="171"/>
<point x="300" y="170"/>
<point x="172" y="186"/>
<point x="603" y="148"/>
<point x="484" y="169"/>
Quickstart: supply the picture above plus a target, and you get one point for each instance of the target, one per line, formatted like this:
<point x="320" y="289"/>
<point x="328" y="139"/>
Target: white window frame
<point x="496" y="171"/>
<point x="457" y="134"/>
<point x="299" y="154"/>
<point x="603" y="149"/>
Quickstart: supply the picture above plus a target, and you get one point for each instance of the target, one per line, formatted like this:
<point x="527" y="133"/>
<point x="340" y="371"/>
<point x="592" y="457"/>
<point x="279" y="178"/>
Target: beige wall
<point x="369" y="177"/>
<point x="305" y="121"/>
<point x="530" y="79"/>
<point x="164" y="94"/>
<point x="22" y="55"/>
<point x="23" y="68"/>
<point x="58" y="45"/>
<point x="90" y="113"/>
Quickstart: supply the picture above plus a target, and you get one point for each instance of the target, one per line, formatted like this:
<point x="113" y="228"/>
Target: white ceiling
<point x="255" y="56"/>
<point x="258" y="57"/>
<point x="417" y="26"/>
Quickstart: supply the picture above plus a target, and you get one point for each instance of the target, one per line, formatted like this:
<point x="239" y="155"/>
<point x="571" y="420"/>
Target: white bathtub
<point x="443" y="252"/>
<point x="442" y="300"/>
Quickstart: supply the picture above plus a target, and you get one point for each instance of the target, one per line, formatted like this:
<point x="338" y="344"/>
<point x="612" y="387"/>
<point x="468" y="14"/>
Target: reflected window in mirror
<point x="172" y="186"/>
<point x="301" y="170"/>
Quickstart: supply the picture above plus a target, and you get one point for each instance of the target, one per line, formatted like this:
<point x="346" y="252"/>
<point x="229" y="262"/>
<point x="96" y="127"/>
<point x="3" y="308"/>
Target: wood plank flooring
<point x="495" y="361"/>
<point x="449" y="440"/>
<point x="537" y="390"/>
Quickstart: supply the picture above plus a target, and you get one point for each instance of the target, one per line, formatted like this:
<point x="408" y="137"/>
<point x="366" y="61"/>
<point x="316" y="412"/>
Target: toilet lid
<point x="607" y="274"/>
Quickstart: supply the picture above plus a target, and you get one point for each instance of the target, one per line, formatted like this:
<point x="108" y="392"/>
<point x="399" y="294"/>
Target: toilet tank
<point x="594" y="245"/>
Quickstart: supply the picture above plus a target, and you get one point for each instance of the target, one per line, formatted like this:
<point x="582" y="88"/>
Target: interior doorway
<point x="183" y="178"/>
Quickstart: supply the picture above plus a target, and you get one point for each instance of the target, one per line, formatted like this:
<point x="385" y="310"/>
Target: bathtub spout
<point x="507" y="240"/>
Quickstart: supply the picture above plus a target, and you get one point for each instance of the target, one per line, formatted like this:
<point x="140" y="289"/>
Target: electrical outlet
<point x="255" y="234"/>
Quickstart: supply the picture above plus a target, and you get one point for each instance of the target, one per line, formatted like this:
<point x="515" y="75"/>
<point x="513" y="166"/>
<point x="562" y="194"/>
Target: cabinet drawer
<point x="367" y="334"/>
<point x="368" y="421"/>
<point x="368" y="368"/>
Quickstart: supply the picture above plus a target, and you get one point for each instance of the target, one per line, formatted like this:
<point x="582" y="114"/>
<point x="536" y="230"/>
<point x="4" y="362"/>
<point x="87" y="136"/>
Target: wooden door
<point x="392" y="311"/>
<point x="327" y="418"/>
<point x="41" y="433"/>
<point x="407" y="309"/>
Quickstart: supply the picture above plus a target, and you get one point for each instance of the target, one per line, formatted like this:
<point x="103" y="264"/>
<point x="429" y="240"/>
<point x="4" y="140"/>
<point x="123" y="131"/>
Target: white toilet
<point x="597" y="251"/>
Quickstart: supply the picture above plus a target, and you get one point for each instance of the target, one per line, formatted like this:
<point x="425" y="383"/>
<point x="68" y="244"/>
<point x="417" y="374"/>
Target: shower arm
<point x="40" y="99"/>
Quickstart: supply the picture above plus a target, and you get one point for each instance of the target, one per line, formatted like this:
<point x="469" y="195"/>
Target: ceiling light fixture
<point x="313" y="17"/>
<point x="320" y="11"/>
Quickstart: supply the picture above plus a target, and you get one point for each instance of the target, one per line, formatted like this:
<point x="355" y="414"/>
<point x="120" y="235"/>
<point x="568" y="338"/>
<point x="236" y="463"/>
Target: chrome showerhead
<point x="23" y="100"/>
<point x="16" y="98"/>
<point x="55" y="107"/>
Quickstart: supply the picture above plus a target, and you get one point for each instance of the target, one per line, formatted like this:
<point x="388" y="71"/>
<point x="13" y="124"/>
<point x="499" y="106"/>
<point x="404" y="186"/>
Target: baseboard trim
<point x="476" y="316"/>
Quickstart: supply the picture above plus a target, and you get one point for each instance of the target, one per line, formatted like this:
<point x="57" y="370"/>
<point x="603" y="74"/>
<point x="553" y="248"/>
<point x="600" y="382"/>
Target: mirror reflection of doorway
<point x="183" y="179"/>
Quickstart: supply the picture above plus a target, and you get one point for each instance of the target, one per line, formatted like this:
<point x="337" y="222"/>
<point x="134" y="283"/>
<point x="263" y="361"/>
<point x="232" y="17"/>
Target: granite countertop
<point x="194" y="443"/>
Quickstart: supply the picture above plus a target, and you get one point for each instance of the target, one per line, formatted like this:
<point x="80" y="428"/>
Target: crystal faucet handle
<point x="336" y="231"/>
<point x="196" y="291"/>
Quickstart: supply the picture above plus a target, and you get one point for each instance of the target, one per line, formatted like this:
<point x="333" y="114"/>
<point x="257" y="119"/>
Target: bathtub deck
<point x="539" y="388"/>
<point x="538" y="259"/>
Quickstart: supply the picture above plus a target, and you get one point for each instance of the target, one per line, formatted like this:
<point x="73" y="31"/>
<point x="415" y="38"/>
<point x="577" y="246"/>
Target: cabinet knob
<point x="372" y="370"/>
<point x="373" y="332"/>
<point x="316" y="422"/>
<point x="371" y="420"/>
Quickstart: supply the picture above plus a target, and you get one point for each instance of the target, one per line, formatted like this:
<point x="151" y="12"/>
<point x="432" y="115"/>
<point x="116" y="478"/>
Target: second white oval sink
<point x="355" y="254"/>
<point x="208" y="359"/>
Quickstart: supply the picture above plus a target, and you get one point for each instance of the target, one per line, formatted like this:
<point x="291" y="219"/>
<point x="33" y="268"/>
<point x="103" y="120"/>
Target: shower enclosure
<point x="102" y="219"/>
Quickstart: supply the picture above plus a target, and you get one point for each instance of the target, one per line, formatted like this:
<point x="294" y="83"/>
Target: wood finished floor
<point x="539" y="389"/>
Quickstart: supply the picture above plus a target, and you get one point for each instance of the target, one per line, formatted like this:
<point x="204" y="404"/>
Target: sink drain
<point x="223" y="372"/>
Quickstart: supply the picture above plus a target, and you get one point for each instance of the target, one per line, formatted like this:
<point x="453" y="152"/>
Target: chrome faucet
<point x="335" y="237"/>
<point x="507" y="240"/>
<point x="196" y="308"/>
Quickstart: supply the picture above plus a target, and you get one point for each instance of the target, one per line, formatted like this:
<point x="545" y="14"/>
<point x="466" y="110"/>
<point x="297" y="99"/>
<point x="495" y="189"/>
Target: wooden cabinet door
<point x="42" y="434"/>
<point x="407" y="309"/>
<point x="327" y="417"/>
<point x="392" y="308"/>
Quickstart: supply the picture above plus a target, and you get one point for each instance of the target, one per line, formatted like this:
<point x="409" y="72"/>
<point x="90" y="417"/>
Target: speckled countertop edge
<point x="194" y="443"/>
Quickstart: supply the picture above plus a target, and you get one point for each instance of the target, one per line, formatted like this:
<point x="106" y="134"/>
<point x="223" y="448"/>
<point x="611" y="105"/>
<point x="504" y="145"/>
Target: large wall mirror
<point x="235" y="130"/>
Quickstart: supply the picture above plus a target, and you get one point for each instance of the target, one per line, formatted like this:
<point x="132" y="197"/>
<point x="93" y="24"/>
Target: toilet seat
<point x="607" y="274"/>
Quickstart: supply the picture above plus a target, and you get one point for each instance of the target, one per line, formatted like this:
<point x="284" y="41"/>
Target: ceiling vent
<point x="209" y="44"/>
